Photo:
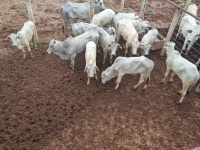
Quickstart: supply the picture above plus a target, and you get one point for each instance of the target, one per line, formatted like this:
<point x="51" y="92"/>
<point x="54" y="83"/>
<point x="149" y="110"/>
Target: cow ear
<point x="189" y="31"/>
<point x="8" y="37"/>
<point x="119" y="45"/>
<point x="97" y="68"/>
<point x="85" y="69"/>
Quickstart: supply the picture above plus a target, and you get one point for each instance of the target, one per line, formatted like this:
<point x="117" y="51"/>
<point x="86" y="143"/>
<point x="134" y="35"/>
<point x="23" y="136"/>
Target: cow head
<point x="146" y="48"/>
<point x="13" y="38"/>
<point x="91" y="68"/>
<point x="192" y="36"/>
<point x="98" y="6"/>
<point x="114" y="47"/>
<point x="145" y="27"/>
<point x="169" y="46"/>
<point x="135" y="45"/>
<point x="52" y="46"/>
<point x="108" y="74"/>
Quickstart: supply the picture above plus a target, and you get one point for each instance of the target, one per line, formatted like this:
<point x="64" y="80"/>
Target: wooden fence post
<point x="122" y="4"/>
<point x="143" y="8"/>
<point x="91" y="9"/>
<point x="30" y="14"/>
<point x="171" y="29"/>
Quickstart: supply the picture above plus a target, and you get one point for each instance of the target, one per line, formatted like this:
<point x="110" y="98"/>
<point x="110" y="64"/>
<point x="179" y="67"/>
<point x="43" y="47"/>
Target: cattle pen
<point x="167" y="23"/>
<point x="43" y="106"/>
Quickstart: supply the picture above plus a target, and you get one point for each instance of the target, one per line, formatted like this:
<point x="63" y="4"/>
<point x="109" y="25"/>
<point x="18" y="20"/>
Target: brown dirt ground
<point x="45" y="107"/>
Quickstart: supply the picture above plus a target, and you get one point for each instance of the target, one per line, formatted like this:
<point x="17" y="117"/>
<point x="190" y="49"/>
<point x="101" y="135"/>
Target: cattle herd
<point x="104" y="32"/>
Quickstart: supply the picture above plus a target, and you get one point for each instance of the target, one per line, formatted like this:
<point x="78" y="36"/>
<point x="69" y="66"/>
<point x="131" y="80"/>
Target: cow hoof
<point x="179" y="103"/>
<point x="170" y="81"/>
<point x="72" y="71"/>
<point x="162" y="81"/>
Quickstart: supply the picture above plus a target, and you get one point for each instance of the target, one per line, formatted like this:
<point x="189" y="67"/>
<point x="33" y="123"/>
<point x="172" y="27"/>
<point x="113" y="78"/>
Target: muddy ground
<point x="45" y="107"/>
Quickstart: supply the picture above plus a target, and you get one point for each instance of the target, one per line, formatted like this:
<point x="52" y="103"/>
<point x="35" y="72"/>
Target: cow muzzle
<point x="48" y="51"/>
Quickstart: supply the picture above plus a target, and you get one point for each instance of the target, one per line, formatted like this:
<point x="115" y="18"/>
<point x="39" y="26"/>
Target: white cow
<point x="90" y="57"/>
<point x="118" y="17"/>
<point x="103" y="18"/>
<point x="129" y="65"/>
<point x="80" y="27"/>
<point x="23" y="37"/>
<point x="180" y="66"/>
<point x="189" y="28"/>
<point x="129" y="34"/>
<point x="147" y="41"/>
<point x="72" y="45"/>
<point x="141" y="26"/>
<point x="71" y="10"/>
<point x="106" y="42"/>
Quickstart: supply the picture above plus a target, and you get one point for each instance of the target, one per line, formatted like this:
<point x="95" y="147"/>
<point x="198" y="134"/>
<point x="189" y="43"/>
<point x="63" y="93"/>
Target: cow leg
<point x="166" y="75"/>
<point x="189" y="47"/>
<point x="72" y="62"/>
<point x="146" y="82"/>
<point x="172" y="76"/>
<point x="184" y="45"/>
<point x="184" y="92"/>
<point x="110" y="58"/>
<point x="118" y="37"/>
<point x="119" y="78"/>
<point x="29" y="49"/>
<point x="88" y="81"/>
<point x="34" y="42"/>
<point x="104" y="57"/>
<point x="95" y="74"/>
<point x="24" y="53"/>
<point x="142" y="79"/>
<point x="126" y="50"/>
<point x="68" y="23"/>
<point x="177" y="35"/>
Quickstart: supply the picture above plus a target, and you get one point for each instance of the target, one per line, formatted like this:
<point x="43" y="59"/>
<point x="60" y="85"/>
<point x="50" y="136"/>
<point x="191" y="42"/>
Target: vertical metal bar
<point x="122" y="4"/>
<point x="30" y="14"/>
<point x="91" y="9"/>
<point x="171" y="29"/>
<point x="142" y="9"/>
<point x="145" y="6"/>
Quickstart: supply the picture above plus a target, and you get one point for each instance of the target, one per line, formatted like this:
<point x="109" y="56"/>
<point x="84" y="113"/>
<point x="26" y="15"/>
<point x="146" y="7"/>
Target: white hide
<point x="148" y="40"/>
<point x="189" y="29"/>
<point x="23" y="37"/>
<point x="90" y="58"/>
<point x="118" y="17"/>
<point x="129" y="34"/>
<point x="180" y="66"/>
<point x="103" y="18"/>
<point x="129" y="65"/>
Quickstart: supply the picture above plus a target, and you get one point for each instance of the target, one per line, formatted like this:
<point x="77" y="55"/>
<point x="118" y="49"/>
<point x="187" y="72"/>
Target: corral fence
<point x="163" y="15"/>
